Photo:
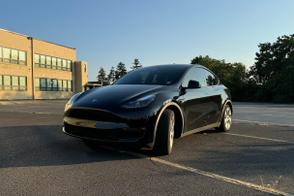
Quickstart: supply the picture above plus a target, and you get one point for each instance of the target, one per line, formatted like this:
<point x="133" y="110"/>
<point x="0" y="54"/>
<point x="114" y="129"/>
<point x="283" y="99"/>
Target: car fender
<point x="228" y="101"/>
<point x="165" y="105"/>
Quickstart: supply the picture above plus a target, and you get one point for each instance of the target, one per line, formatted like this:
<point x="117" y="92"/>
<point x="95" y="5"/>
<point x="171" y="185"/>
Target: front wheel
<point x="226" y="122"/>
<point x="165" y="133"/>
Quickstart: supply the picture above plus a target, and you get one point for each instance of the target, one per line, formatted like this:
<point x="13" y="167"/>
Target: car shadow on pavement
<point x="47" y="145"/>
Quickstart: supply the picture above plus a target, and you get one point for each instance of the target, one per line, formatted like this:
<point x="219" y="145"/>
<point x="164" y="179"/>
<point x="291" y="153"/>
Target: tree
<point x="101" y="77"/>
<point x="111" y="75"/>
<point x="136" y="64"/>
<point x="274" y="69"/>
<point x="233" y="75"/>
<point x="120" y="71"/>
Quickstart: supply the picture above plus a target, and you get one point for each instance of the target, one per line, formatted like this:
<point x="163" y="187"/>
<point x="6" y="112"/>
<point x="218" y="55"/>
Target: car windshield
<point x="156" y="75"/>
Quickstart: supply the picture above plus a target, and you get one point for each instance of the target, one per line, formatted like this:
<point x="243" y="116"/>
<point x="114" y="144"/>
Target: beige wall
<point x="15" y="41"/>
<point x="81" y="76"/>
<point x="49" y="49"/>
<point x="22" y="42"/>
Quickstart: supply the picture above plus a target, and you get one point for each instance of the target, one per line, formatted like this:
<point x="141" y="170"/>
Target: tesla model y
<point x="151" y="106"/>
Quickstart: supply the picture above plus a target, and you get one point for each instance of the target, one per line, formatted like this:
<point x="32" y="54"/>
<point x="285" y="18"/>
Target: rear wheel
<point x="165" y="133"/>
<point x="226" y="122"/>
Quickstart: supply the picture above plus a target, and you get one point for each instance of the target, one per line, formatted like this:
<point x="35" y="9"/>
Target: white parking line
<point x="205" y="173"/>
<point x="222" y="178"/>
<point x="30" y="112"/>
<point x="262" y="123"/>
<point x="261" y="138"/>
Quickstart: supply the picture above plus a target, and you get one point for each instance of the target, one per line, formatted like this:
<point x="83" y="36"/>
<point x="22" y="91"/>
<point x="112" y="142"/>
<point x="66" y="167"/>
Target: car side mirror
<point x="193" y="84"/>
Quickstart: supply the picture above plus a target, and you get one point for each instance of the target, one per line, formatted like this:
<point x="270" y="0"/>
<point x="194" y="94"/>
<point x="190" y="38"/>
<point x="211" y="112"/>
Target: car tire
<point x="165" y="133"/>
<point x="226" y="121"/>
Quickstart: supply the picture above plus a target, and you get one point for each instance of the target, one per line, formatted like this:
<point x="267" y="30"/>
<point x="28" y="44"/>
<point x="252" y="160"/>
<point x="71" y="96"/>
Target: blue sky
<point x="155" y="31"/>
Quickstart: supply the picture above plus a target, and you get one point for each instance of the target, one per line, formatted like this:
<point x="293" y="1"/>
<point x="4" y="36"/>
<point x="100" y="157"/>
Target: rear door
<point x="214" y="96"/>
<point x="201" y="105"/>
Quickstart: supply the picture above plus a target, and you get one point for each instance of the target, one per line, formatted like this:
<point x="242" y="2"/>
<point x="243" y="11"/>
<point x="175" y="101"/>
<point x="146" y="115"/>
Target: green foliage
<point x="274" y="70"/>
<point x="120" y="71"/>
<point x="233" y="75"/>
<point x="101" y="75"/>
<point x="271" y="78"/>
<point x="136" y="64"/>
<point x="111" y="75"/>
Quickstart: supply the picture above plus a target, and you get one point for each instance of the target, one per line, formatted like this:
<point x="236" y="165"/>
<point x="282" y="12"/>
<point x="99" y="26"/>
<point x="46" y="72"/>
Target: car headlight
<point x="140" y="103"/>
<point x="71" y="101"/>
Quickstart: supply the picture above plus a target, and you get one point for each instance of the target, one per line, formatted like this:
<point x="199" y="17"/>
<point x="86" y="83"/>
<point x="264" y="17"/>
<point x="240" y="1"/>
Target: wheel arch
<point x="229" y="103"/>
<point x="179" y="118"/>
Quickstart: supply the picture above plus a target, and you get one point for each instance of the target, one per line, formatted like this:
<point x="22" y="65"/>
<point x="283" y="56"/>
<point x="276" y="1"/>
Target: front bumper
<point x="102" y="131"/>
<point x="101" y="125"/>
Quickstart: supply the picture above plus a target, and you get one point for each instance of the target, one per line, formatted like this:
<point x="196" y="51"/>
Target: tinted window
<point x="158" y="75"/>
<point x="43" y="84"/>
<point x="211" y="79"/>
<point x="49" y="84"/>
<point x="60" y="85"/>
<point x="204" y="77"/>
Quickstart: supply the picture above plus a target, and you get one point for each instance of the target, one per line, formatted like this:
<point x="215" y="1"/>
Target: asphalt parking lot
<point x="255" y="158"/>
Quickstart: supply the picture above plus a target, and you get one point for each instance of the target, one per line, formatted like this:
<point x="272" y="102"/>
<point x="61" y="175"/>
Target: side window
<point x="204" y="77"/>
<point x="196" y="74"/>
<point x="210" y="78"/>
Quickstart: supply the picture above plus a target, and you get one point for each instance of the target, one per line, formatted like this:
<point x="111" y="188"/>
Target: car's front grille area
<point x="108" y="135"/>
<point x="92" y="114"/>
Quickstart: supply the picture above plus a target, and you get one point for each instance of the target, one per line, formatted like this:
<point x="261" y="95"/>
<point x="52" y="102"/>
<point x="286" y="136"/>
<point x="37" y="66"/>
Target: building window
<point x="22" y="58"/>
<point x="54" y="63"/>
<point x="6" y="55"/>
<point x="14" y="56"/>
<point x="64" y="85"/>
<point x="59" y="85"/>
<point x="54" y="85"/>
<point x="69" y="87"/>
<point x="59" y="64"/>
<point x="48" y="62"/>
<point x="68" y="65"/>
<point x="43" y="84"/>
<point x="1" y="56"/>
<point x="42" y="61"/>
<point x="22" y="83"/>
<point x="17" y="83"/>
<point x="1" y="82"/>
<point x="64" y="66"/>
<point x="7" y="82"/>
<point x="37" y="60"/>
<point x="48" y="84"/>
<point x="37" y="84"/>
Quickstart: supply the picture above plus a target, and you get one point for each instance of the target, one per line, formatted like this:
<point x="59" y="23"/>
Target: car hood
<point x="114" y="95"/>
